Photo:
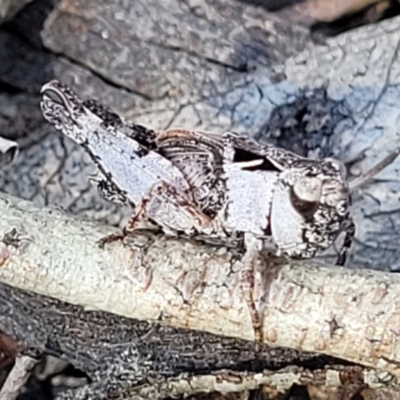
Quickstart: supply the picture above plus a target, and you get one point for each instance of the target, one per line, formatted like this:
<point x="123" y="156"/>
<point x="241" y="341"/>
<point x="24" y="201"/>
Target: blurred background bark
<point x="272" y="70"/>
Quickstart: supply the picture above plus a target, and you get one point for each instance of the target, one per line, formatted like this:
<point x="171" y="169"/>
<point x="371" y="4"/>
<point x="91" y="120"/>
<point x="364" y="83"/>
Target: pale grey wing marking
<point x="287" y="225"/>
<point x="129" y="166"/>
<point x="243" y="211"/>
<point x="135" y="167"/>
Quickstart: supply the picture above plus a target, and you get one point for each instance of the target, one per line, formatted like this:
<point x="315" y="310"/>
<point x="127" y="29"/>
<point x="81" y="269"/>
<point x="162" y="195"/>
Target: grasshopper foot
<point x="350" y="230"/>
<point x="130" y="227"/>
<point x="113" y="237"/>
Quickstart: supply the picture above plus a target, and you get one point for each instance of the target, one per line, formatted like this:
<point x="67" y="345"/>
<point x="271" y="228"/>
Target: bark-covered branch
<point x="159" y="361"/>
<point x="349" y="314"/>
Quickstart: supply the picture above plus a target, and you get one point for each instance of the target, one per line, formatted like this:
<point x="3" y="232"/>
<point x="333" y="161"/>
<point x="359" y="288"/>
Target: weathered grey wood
<point x="154" y="48"/>
<point x="8" y="8"/>
<point x="99" y="343"/>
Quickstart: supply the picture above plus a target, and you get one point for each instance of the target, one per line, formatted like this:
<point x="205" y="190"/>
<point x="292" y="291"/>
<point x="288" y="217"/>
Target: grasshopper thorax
<point x="310" y="204"/>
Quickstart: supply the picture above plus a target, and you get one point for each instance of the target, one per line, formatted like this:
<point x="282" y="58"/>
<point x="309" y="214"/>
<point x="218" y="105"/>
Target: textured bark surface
<point x="221" y="40"/>
<point x="159" y="361"/>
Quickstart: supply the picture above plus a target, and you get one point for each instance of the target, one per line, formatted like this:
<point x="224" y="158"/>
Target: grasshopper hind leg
<point x="173" y="211"/>
<point x="249" y="261"/>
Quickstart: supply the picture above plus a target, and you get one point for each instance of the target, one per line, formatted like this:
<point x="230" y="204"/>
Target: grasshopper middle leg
<point x="350" y="230"/>
<point x="249" y="261"/>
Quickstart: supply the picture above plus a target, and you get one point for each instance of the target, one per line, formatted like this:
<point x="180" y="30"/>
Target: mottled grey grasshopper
<point x="220" y="186"/>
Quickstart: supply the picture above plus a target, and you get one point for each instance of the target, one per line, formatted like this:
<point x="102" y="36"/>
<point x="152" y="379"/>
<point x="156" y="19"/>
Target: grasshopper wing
<point x="201" y="157"/>
<point x="229" y="147"/>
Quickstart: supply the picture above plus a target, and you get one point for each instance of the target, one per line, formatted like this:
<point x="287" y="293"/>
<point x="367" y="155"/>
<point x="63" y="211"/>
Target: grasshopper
<point x="218" y="186"/>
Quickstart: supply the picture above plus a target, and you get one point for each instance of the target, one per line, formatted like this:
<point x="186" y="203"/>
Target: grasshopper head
<point x="310" y="204"/>
<point x="321" y="186"/>
<point x="62" y="108"/>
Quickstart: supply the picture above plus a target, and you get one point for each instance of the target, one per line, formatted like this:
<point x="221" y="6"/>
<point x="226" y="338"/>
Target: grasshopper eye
<point x="306" y="195"/>
<point x="342" y="207"/>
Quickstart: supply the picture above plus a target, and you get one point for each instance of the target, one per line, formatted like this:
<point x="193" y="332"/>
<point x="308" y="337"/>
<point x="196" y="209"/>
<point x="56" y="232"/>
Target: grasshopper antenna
<point x="365" y="177"/>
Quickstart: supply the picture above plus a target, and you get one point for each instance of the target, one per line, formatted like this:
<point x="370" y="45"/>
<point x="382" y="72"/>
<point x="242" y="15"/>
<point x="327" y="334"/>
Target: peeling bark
<point x="8" y="8"/>
<point x="17" y="377"/>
